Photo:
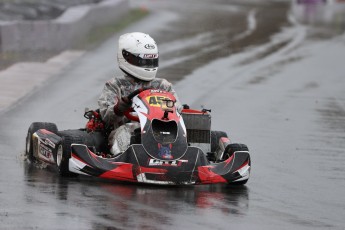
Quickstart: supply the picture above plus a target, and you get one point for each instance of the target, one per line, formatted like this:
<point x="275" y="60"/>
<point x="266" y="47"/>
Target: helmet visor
<point x="141" y="60"/>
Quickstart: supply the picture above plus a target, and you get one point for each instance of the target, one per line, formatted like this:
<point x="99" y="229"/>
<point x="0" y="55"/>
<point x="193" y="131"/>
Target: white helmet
<point x="138" y="55"/>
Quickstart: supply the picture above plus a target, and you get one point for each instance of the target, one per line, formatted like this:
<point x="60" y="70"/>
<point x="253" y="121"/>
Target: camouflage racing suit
<point x="115" y="89"/>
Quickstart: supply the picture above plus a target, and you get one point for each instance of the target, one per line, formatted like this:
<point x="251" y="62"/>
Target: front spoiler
<point x="135" y="165"/>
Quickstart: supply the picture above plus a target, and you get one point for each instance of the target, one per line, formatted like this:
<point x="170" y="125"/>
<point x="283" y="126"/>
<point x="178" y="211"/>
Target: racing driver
<point x="137" y="57"/>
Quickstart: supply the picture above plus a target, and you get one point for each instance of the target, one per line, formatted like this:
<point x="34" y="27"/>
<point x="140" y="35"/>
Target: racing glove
<point x="122" y="105"/>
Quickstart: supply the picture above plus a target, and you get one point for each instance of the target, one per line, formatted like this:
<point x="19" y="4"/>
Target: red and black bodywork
<point x="172" y="148"/>
<point x="136" y="166"/>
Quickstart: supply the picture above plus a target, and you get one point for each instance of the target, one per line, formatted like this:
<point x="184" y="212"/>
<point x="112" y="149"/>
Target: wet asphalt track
<point x="263" y="93"/>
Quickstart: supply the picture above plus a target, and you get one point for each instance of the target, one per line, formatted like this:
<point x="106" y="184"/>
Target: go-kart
<point x="171" y="147"/>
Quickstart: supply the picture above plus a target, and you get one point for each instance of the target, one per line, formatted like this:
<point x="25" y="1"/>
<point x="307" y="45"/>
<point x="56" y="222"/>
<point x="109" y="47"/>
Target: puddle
<point x="190" y="48"/>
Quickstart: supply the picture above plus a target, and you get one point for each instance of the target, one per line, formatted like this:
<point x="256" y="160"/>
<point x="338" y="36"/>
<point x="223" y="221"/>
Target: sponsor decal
<point x="150" y="46"/>
<point x="45" y="151"/>
<point x="150" y="56"/>
<point x="156" y="90"/>
<point x="49" y="143"/>
<point x="156" y="100"/>
<point x="174" y="163"/>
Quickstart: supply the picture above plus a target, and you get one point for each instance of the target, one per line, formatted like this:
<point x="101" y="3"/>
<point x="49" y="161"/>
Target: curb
<point x="20" y="79"/>
<point x="63" y="32"/>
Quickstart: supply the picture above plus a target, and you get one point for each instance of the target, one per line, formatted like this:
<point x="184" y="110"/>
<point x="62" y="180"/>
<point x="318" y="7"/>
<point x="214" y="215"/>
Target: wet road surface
<point x="257" y="65"/>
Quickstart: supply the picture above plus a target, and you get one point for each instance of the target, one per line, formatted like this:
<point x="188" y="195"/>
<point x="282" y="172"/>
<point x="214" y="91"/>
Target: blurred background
<point x="23" y="23"/>
<point x="272" y="71"/>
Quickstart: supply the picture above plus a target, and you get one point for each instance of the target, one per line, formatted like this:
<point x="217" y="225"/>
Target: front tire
<point x="242" y="182"/>
<point x="63" y="153"/>
<point x="29" y="148"/>
<point x="231" y="149"/>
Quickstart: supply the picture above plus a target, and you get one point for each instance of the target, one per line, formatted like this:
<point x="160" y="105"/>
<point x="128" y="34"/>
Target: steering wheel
<point x="130" y="116"/>
<point x="128" y="99"/>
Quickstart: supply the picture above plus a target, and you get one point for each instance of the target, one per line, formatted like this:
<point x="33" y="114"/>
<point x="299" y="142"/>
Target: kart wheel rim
<point x="59" y="155"/>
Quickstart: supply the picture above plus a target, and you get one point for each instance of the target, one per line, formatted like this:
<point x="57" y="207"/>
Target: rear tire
<point x="29" y="151"/>
<point x="215" y="137"/>
<point x="63" y="153"/>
